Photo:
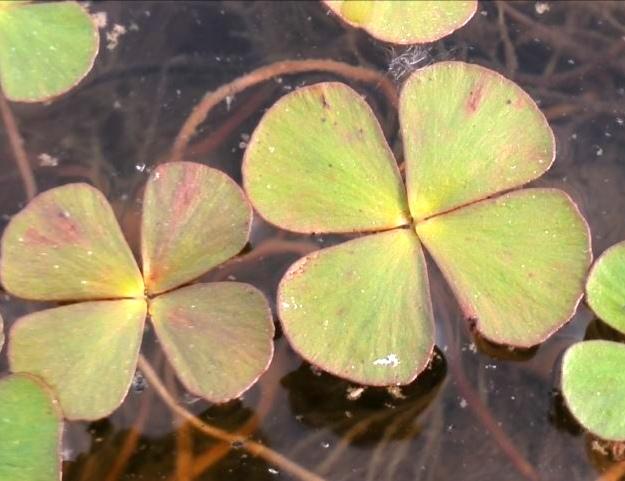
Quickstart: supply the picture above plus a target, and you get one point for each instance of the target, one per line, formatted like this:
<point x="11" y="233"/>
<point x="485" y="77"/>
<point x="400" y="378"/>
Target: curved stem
<point x="286" y="67"/>
<point x="17" y="146"/>
<point x="252" y="447"/>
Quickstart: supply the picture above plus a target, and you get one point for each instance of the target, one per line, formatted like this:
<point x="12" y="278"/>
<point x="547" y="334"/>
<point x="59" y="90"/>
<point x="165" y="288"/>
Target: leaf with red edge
<point x="30" y="430"/>
<point x="405" y="21"/>
<point x="468" y="133"/>
<point x="218" y="337"/>
<point x="86" y="352"/>
<point x="1" y="333"/>
<point x="318" y="162"/>
<point x="361" y="310"/>
<point x="194" y="218"/>
<point x="517" y="263"/>
<point x="67" y="245"/>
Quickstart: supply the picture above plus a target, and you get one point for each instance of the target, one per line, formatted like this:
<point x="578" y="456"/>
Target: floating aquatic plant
<point x="66" y="245"/>
<point x="30" y="430"/>
<point x="593" y="379"/>
<point x="516" y="260"/>
<point x="406" y="21"/>
<point x="45" y="48"/>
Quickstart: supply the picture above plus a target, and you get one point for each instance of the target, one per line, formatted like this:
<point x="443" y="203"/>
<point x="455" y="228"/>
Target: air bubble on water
<point x="599" y="151"/>
<point x="325" y="444"/>
<point x="463" y="403"/>
<point x="273" y="471"/>
<point x="140" y="167"/>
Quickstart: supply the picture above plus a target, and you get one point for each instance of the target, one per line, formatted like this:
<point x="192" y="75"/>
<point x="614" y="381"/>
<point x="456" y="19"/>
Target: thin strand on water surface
<point x="252" y="447"/>
<point x="286" y="67"/>
<point x="17" y="146"/>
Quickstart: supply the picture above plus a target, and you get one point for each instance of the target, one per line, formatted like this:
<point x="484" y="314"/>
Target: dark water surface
<point x="480" y="412"/>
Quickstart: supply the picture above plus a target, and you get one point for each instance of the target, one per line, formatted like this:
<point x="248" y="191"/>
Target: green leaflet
<point x="593" y="384"/>
<point x="318" y="162"/>
<point x="405" y="21"/>
<point x="605" y="287"/>
<point x="194" y="218"/>
<point x="45" y="48"/>
<point x="516" y="263"/>
<point x="30" y="431"/>
<point x="218" y="336"/>
<point x="361" y="310"/>
<point x="468" y="133"/>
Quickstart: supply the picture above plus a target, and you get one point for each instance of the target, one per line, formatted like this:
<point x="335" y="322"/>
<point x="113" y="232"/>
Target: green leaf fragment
<point x="468" y="133"/>
<point x="194" y="218"/>
<point x="361" y="310"/>
<point x="86" y="352"/>
<point x="405" y="21"/>
<point x="30" y="431"/>
<point x="605" y="287"/>
<point x="516" y="263"/>
<point x="45" y="48"/>
<point x="218" y="337"/>
<point x="593" y="384"/>
<point x="67" y="245"/>
<point x="318" y="162"/>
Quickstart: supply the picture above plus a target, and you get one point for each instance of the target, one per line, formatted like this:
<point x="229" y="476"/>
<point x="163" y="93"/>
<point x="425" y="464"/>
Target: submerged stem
<point x="17" y="146"/>
<point x="286" y="67"/>
<point x="252" y="447"/>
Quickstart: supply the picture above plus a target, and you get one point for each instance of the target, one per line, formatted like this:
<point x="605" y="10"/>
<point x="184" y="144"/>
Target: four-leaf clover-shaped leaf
<point x="318" y="163"/>
<point x="66" y="245"/>
<point x="593" y="378"/>
<point x="45" y="48"/>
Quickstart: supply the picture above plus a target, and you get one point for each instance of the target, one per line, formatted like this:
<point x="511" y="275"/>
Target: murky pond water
<point x="480" y="412"/>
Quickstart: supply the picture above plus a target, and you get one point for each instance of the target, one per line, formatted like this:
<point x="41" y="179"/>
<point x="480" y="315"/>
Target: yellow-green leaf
<point x="361" y="310"/>
<point x="405" y="21"/>
<point x="218" y="337"/>
<point x="86" y="352"/>
<point x="517" y="263"/>
<point x="318" y="162"/>
<point x="45" y="48"/>
<point x="30" y="431"/>
<point x="468" y="133"/>
<point x="67" y="245"/>
<point x="605" y="288"/>
<point x="593" y="384"/>
<point x="194" y="218"/>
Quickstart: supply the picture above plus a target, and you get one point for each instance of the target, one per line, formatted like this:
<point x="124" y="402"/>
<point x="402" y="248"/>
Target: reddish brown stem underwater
<point x="17" y="146"/>
<point x="286" y="67"/>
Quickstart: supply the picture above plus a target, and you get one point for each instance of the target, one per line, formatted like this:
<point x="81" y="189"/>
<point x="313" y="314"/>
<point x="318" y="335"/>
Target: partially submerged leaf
<point x="405" y="21"/>
<point x="593" y="384"/>
<point x="361" y="310"/>
<point x="86" y="352"/>
<point x="517" y="263"/>
<point x="218" y="337"/>
<point x="67" y="245"/>
<point x="45" y="48"/>
<point x="194" y="218"/>
<point x="605" y="287"/>
<point x="318" y="162"/>
<point x="468" y="133"/>
<point x="30" y="431"/>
